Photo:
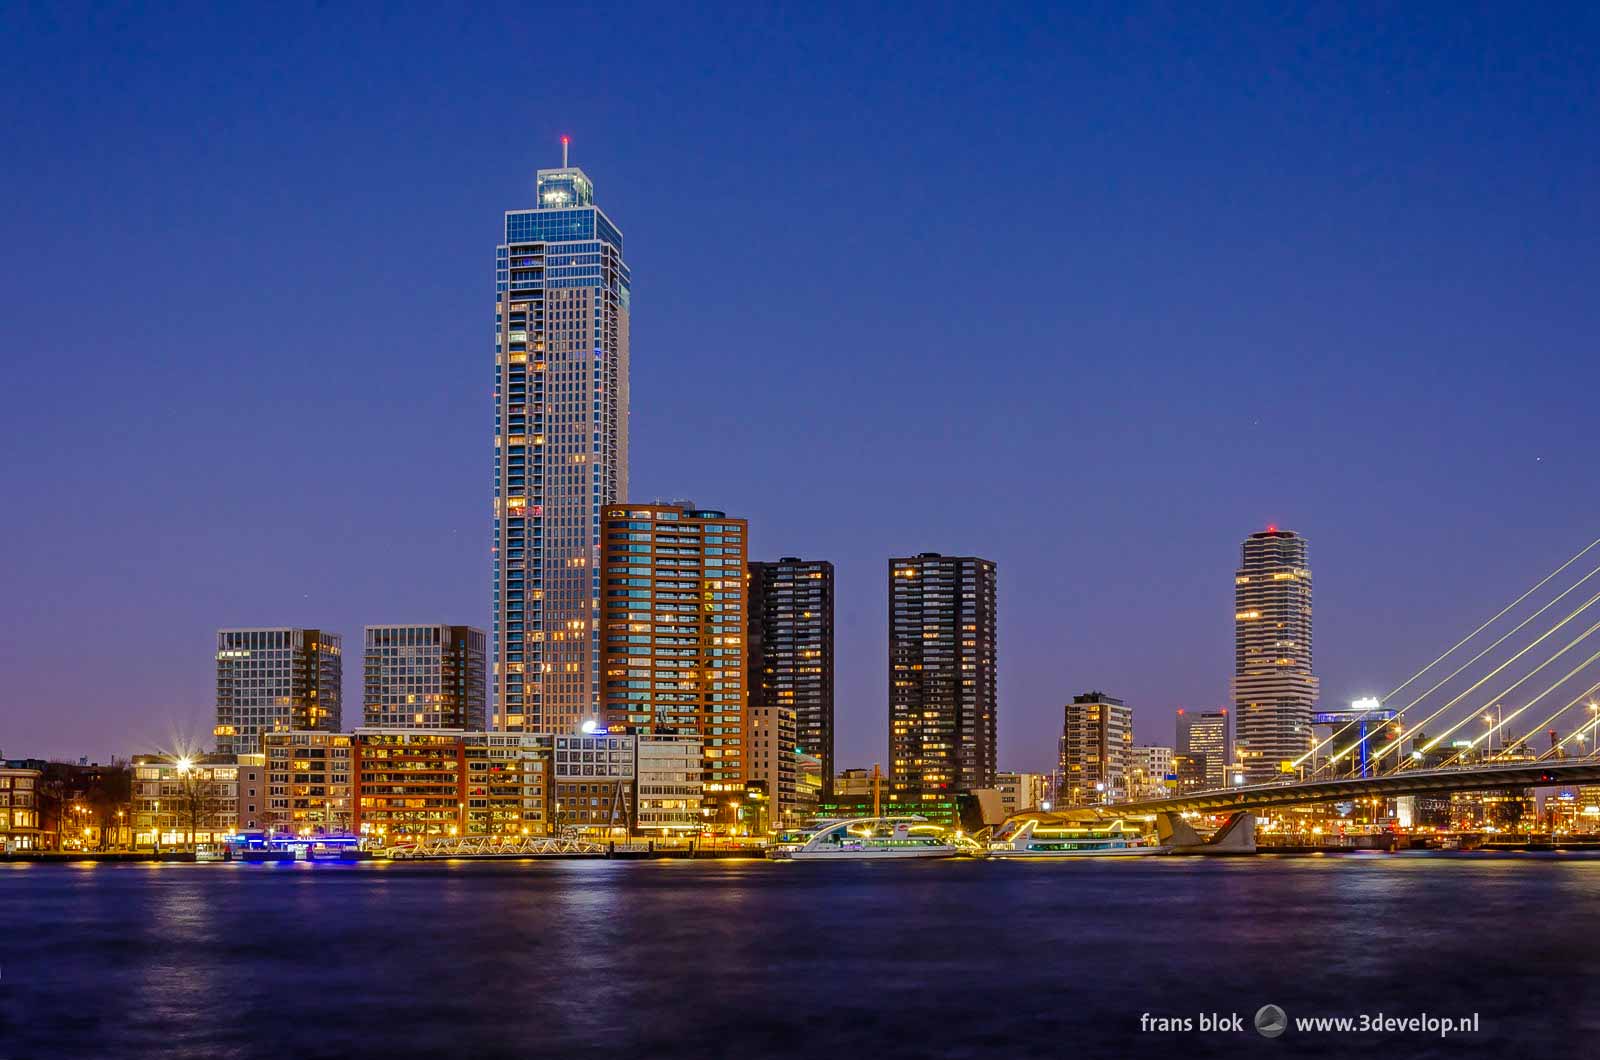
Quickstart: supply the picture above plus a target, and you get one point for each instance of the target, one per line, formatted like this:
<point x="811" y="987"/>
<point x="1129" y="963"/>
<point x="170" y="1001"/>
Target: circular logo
<point x="1271" y="1021"/>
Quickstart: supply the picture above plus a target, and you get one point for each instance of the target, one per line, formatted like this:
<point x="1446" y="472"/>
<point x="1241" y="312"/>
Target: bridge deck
<point x="1405" y="782"/>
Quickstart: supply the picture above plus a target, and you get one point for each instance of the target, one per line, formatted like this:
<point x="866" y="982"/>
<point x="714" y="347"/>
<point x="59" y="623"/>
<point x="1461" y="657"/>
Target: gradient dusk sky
<point x="1092" y="291"/>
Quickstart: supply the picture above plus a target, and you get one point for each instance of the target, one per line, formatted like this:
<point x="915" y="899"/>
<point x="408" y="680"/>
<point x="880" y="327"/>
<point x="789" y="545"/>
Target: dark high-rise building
<point x="1205" y="738"/>
<point x="274" y="680"/>
<point x="424" y="677"/>
<point x="791" y="650"/>
<point x="942" y="667"/>
<point x="1274" y="688"/>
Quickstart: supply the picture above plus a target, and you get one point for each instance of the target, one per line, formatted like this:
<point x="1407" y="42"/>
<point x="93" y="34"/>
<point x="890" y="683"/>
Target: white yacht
<point x="1029" y="837"/>
<point x="867" y="838"/>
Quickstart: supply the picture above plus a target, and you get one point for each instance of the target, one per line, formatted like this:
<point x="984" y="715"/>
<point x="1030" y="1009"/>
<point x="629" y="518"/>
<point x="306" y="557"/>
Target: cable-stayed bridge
<point x="1510" y="705"/>
<point x="1486" y="777"/>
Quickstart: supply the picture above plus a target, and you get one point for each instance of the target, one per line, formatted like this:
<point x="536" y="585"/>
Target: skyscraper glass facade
<point x="560" y="449"/>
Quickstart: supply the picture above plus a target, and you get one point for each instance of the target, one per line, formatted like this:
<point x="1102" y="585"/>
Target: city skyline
<point x="861" y="563"/>
<point x="1198" y="342"/>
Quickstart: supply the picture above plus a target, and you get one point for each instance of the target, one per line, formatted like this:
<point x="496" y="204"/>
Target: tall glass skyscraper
<point x="560" y="448"/>
<point x="1274" y="688"/>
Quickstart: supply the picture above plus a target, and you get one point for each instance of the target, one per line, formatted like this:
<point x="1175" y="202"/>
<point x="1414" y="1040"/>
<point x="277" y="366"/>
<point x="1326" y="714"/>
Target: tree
<point x="199" y="802"/>
<point x="110" y="798"/>
<point x="54" y="793"/>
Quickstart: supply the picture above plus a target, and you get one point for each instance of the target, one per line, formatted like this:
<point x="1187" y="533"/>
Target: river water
<point x="865" y="961"/>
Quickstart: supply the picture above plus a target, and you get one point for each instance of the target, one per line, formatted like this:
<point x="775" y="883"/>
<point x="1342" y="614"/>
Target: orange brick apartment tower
<point x="672" y="627"/>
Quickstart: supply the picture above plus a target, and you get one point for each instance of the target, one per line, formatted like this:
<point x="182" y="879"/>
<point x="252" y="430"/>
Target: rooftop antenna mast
<point x="564" y="142"/>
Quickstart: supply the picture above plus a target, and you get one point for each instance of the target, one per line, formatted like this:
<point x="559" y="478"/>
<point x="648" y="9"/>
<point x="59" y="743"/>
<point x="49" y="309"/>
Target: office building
<point x="942" y="665"/>
<point x="808" y="786"/>
<point x="274" y="680"/>
<point x="1275" y="689"/>
<point x="595" y="775"/>
<point x="1096" y="755"/>
<point x="1205" y="738"/>
<point x="1022" y="791"/>
<point x="772" y="758"/>
<point x="424" y="677"/>
<point x="1190" y="772"/>
<point x="854" y="783"/>
<point x="1152" y="764"/>
<point x="1573" y="809"/>
<point x="1561" y="813"/>
<point x="673" y="615"/>
<point x="1505" y="810"/>
<point x="668" y="785"/>
<point x="791" y="648"/>
<point x="560" y="448"/>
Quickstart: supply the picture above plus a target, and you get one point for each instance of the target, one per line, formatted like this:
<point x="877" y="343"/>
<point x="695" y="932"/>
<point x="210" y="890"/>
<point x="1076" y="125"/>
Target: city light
<point x="875" y="341"/>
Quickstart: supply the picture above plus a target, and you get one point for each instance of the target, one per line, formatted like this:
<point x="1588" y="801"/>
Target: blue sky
<point x="1091" y="292"/>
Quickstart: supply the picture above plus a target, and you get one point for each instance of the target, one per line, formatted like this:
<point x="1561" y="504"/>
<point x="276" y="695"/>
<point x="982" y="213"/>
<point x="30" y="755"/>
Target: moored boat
<point x="1029" y="837"/>
<point x="867" y="838"/>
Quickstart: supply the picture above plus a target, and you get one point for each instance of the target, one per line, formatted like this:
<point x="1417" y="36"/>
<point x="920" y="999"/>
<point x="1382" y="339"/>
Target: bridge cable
<point x="1500" y="722"/>
<point x="1578" y="733"/>
<point x="1448" y="652"/>
<point x="1497" y="670"/>
<point x="1479" y="684"/>
<point x="1544" y="726"/>
<point x="1400" y="714"/>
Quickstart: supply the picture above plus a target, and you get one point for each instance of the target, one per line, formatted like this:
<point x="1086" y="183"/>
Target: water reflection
<point x="708" y="959"/>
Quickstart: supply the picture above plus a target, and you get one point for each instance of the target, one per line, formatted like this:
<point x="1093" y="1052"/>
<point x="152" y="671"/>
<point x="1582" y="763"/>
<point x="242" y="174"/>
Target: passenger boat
<point x="867" y="838"/>
<point x="258" y="847"/>
<point x="1029" y="837"/>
